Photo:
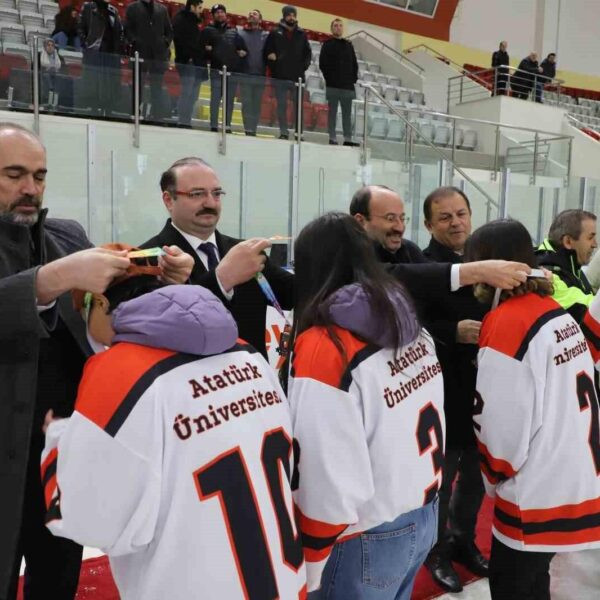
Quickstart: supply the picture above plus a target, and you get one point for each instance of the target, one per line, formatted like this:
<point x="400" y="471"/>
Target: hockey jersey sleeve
<point x="101" y="490"/>
<point x="506" y="415"/>
<point x="591" y="329"/>
<point x="335" y="476"/>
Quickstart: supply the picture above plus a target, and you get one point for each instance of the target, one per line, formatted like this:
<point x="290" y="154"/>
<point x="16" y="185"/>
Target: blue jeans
<point x="190" y="77"/>
<point x="382" y="563"/>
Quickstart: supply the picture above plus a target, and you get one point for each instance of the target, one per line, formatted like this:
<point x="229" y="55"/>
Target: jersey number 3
<point x="586" y="394"/>
<point x="227" y="478"/>
<point x="428" y="427"/>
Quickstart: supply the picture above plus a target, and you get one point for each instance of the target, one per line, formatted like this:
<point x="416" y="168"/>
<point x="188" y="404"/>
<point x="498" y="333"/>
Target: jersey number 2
<point x="586" y="394"/>
<point x="227" y="478"/>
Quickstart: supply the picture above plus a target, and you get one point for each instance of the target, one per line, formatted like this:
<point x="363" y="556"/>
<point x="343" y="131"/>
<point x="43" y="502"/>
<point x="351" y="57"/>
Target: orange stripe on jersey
<point x="317" y="357"/>
<point x="506" y="328"/>
<point x="512" y="532"/>
<point x="564" y="538"/>
<point x="52" y="456"/>
<point x="497" y="468"/>
<point x="49" y="489"/>
<point x="316" y="528"/>
<point x="591" y="330"/>
<point x="303" y="593"/>
<point x="109" y="376"/>
<point x="314" y="556"/>
<point x="537" y="515"/>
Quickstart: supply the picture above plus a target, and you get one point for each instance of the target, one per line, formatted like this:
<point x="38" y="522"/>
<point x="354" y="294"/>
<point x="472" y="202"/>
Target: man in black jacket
<point x="454" y="324"/>
<point x="500" y="62"/>
<point x="339" y="66"/>
<point x="101" y="34"/>
<point x="288" y="55"/>
<point x="224" y="48"/>
<point x="548" y="68"/>
<point x="148" y="30"/>
<point x="192" y="192"/>
<point x="526" y="76"/>
<point x="190" y="57"/>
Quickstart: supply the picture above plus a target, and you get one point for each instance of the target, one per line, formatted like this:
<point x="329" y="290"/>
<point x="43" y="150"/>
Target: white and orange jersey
<point x="179" y="468"/>
<point x="370" y="431"/>
<point x="536" y="421"/>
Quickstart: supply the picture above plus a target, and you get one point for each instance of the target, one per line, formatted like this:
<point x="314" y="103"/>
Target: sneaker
<point x="333" y="143"/>
<point x="352" y="144"/>
<point x="214" y="129"/>
<point x="284" y="136"/>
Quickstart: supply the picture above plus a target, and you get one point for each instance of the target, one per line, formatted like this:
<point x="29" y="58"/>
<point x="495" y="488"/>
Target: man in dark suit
<point x="192" y="194"/>
<point x="43" y="346"/>
<point x="455" y="324"/>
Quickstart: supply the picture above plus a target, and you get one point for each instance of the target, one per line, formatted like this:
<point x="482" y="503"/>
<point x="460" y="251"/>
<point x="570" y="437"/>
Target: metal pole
<point x="569" y="159"/>
<point x="223" y="140"/>
<point x="243" y="202"/>
<point x="36" y="85"/>
<point x="449" y="91"/>
<point x="495" y="90"/>
<point x="504" y="187"/>
<point x="496" y="155"/>
<point x="136" y="100"/>
<point x="583" y="192"/>
<point x="415" y="198"/>
<point x="540" y="223"/>
<point x="300" y="99"/>
<point x="442" y="173"/>
<point x="363" y="154"/>
<point x="462" y="78"/>
<point x="453" y="142"/>
<point x="536" y="140"/>
<point x="555" y="202"/>
<point x="294" y="194"/>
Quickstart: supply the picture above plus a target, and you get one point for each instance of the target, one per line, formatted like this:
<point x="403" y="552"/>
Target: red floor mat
<point x="96" y="581"/>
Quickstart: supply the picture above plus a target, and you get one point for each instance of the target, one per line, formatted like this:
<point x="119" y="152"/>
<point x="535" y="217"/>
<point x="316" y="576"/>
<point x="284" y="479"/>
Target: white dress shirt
<point x="195" y="242"/>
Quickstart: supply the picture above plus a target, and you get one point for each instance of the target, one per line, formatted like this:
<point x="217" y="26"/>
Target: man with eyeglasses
<point x="455" y="324"/>
<point x="193" y="195"/>
<point x="380" y="211"/>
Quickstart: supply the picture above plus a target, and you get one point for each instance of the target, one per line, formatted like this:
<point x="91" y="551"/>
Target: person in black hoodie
<point x="339" y="66"/>
<point x="101" y="35"/>
<point x="500" y="62"/>
<point x="189" y="57"/>
<point x="288" y="55"/>
<point x="225" y="48"/>
<point x="148" y="30"/>
<point x="526" y="76"/>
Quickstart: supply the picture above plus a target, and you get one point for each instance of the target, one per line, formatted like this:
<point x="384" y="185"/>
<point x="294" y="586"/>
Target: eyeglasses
<point x="393" y="217"/>
<point x="202" y="194"/>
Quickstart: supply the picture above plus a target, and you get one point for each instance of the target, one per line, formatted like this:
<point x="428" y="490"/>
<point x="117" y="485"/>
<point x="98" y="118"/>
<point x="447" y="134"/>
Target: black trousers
<point x="251" y="90"/>
<point x="519" y="575"/>
<point x="344" y="99"/>
<point x="458" y="508"/>
<point x="283" y="89"/>
<point x="216" y="93"/>
<point x="52" y="564"/>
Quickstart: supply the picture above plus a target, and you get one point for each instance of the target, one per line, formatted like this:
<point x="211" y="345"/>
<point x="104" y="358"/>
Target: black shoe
<point x="228" y="130"/>
<point x="214" y="129"/>
<point x="251" y="133"/>
<point x="284" y="136"/>
<point x="352" y="144"/>
<point x="468" y="554"/>
<point x="443" y="572"/>
<point x="296" y="137"/>
<point x="333" y="143"/>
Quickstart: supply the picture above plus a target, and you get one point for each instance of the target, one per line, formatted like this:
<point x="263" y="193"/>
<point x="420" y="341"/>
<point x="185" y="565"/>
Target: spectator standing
<point x="101" y="35"/>
<point x="454" y="324"/>
<point x="548" y="67"/>
<point x="190" y="58"/>
<point x="339" y="66"/>
<point x="288" y="55"/>
<point x="225" y="48"/>
<point x="65" y="28"/>
<point x="148" y="30"/>
<point x="252" y="83"/>
<point x="526" y="76"/>
<point x="500" y="62"/>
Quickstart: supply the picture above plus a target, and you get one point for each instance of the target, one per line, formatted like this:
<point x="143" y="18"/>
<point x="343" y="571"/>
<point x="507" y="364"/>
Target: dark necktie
<point x="211" y="252"/>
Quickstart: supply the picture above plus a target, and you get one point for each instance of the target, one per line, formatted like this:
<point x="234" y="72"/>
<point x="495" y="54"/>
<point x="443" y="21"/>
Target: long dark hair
<point x="330" y="252"/>
<point x="505" y="239"/>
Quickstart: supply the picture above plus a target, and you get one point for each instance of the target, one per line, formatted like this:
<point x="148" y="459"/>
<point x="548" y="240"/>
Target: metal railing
<point x="392" y="52"/>
<point x="412" y="131"/>
<point x="501" y="81"/>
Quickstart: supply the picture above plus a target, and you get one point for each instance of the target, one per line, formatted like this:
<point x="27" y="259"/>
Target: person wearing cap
<point x="190" y="57"/>
<point x="43" y="346"/>
<point x="178" y="459"/>
<point x="252" y="82"/>
<point x="225" y="48"/>
<point x="288" y="55"/>
<point x="148" y="30"/>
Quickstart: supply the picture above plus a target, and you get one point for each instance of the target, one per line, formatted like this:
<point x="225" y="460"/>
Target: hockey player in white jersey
<point x="178" y="459"/>
<point x="367" y="408"/>
<point x="536" y="422"/>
